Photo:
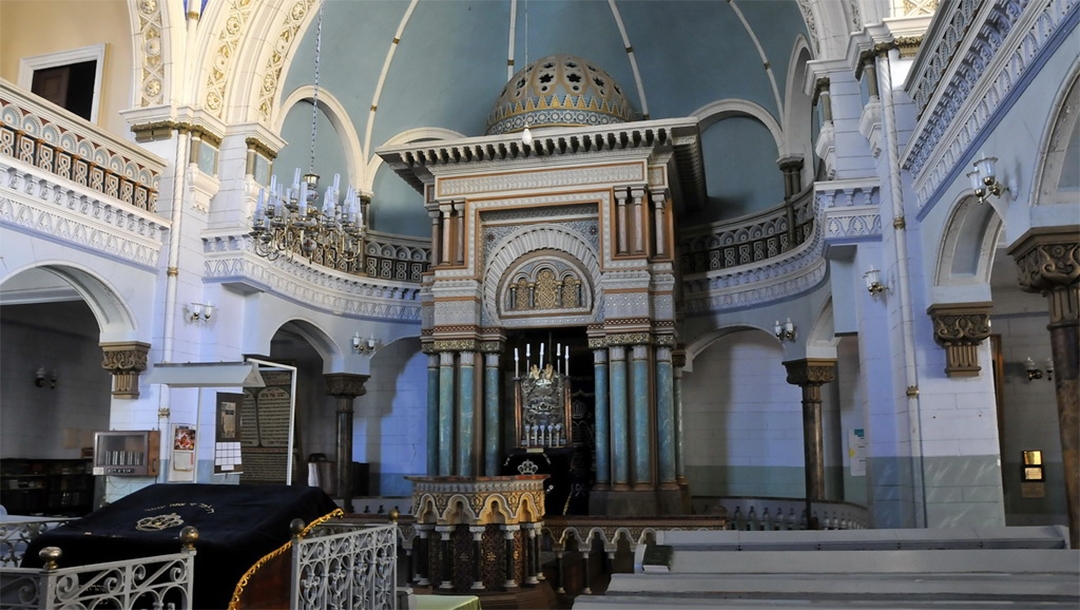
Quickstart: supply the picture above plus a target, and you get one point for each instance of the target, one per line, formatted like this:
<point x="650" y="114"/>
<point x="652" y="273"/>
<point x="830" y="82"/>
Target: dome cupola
<point x="559" y="91"/>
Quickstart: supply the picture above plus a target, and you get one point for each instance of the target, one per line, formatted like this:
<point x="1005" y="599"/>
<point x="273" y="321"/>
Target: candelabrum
<point x="288" y="221"/>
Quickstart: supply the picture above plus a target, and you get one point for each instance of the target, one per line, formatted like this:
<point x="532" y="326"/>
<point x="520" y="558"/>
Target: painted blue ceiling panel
<point x="448" y="69"/>
<point x="740" y="169"/>
<point x="396" y="207"/>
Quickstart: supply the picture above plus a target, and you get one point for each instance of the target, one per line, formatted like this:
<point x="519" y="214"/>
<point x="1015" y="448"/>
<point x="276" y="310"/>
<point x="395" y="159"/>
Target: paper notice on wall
<point x="857" y="452"/>
<point x="182" y="460"/>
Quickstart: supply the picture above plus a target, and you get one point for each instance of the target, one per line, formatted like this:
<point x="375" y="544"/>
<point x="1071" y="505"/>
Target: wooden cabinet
<point x="127" y="452"/>
<point x="46" y="487"/>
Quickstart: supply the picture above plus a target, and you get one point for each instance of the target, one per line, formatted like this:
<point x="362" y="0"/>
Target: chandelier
<point x="290" y="221"/>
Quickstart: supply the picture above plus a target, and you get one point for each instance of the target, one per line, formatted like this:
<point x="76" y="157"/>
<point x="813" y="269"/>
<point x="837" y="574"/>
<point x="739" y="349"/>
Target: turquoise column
<point x="665" y="419"/>
<point x="446" y="413"/>
<point x="642" y="473"/>
<point x="466" y="412"/>
<point x="678" y="361"/>
<point x="492" y="423"/>
<point x="620" y="450"/>
<point x="603" y="426"/>
<point x="433" y="414"/>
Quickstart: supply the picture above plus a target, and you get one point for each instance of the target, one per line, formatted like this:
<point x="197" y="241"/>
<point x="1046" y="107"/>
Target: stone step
<point x="1029" y="537"/>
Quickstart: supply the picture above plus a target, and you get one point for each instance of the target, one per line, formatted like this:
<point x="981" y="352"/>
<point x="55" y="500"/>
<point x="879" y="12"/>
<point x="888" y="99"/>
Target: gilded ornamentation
<point x="228" y="43"/>
<point x="960" y="328"/>
<point x="345" y="385"/>
<point x="810" y="371"/>
<point x="159" y="522"/>
<point x="125" y="360"/>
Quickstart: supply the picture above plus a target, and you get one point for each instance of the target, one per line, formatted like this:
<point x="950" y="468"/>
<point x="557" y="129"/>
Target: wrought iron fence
<point x="16" y="535"/>
<point x="161" y="582"/>
<point x="346" y="565"/>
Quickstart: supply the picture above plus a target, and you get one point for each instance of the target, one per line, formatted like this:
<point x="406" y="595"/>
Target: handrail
<point x="40" y="134"/>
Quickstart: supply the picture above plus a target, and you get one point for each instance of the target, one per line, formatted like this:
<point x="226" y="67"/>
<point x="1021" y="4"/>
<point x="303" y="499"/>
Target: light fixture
<point x="363" y="346"/>
<point x="984" y="179"/>
<point x="1033" y="372"/>
<point x="200" y="312"/>
<point x="873" y="281"/>
<point x="785" y="331"/>
<point x="42" y="377"/>
<point x="289" y="221"/>
<point x="1032" y="466"/>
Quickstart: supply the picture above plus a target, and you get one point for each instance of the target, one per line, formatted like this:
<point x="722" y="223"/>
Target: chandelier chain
<point x="315" y="95"/>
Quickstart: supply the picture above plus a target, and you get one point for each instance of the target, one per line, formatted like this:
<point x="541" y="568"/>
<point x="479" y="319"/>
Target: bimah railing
<point x="345" y="565"/>
<point x="151" y="583"/>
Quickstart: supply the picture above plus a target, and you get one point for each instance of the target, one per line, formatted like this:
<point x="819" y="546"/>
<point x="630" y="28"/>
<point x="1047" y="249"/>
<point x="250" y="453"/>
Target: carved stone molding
<point x="960" y="328"/>
<point x="1049" y="262"/>
<point x="810" y="371"/>
<point x="345" y="385"/>
<point x="125" y="360"/>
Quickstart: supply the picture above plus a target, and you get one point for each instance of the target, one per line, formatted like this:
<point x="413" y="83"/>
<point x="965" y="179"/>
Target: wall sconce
<point x="873" y="281"/>
<point x="200" y="312"/>
<point x="41" y="378"/>
<point x="984" y="179"/>
<point x="1034" y="372"/>
<point x="363" y="346"/>
<point x="785" y="331"/>
<point x="1032" y="466"/>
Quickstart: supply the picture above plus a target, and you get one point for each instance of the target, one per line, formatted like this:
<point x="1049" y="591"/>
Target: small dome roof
<point x="559" y="90"/>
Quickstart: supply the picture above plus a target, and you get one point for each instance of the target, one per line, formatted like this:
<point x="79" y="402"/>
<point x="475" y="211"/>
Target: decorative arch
<point x="406" y="137"/>
<point x="115" y="319"/>
<point x="798" y="110"/>
<point x="966" y="252"/>
<point x="1059" y="165"/>
<point x="574" y="248"/>
<point x="702" y="342"/>
<point x="339" y="117"/>
<point x="316" y="337"/>
<point x="714" y="112"/>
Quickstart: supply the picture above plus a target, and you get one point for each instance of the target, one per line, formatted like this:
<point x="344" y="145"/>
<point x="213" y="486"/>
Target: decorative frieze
<point x="957" y="94"/>
<point x="125" y="360"/>
<point x="960" y="328"/>
<point x="152" y="81"/>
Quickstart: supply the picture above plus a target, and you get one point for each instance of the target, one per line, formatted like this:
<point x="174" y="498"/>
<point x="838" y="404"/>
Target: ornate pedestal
<point x="481" y="536"/>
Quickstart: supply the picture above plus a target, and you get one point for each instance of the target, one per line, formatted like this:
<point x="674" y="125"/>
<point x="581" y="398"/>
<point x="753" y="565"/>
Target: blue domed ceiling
<point x="400" y="67"/>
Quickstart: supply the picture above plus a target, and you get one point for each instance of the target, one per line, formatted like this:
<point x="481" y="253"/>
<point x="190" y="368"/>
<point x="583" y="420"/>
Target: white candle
<point x="517" y="372"/>
<point x="541" y="356"/>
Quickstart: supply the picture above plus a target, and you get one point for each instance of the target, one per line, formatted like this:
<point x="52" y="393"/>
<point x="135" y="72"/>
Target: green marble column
<point x="678" y="361"/>
<point x="446" y="413"/>
<point x="433" y="415"/>
<point x="642" y="431"/>
<point x="492" y="422"/>
<point x="665" y="419"/>
<point x="620" y="447"/>
<point x="466" y="412"/>
<point x="603" y="427"/>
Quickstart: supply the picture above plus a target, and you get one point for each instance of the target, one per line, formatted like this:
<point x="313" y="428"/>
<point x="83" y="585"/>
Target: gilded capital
<point x="810" y="371"/>
<point x="345" y="385"/>
<point x="125" y="360"/>
<point x="1049" y="263"/>
<point x="960" y="328"/>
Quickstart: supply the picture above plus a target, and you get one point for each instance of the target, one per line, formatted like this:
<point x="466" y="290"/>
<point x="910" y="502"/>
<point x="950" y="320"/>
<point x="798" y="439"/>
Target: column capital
<point x="960" y="328"/>
<point x="345" y="385"/>
<point x="810" y="371"/>
<point x="125" y="360"/>
<point x="1048" y="258"/>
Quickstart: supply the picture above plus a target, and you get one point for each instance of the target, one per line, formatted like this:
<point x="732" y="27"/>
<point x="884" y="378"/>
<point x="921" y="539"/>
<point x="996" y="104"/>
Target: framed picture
<point x="227" y="440"/>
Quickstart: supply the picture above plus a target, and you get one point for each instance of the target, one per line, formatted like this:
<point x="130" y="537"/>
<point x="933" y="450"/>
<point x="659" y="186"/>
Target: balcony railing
<point x="40" y="135"/>
<point x="749" y="239"/>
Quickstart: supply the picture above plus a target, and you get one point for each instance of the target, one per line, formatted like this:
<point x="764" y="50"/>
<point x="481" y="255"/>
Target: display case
<point x="53" y="487"/>
<point x="127" y="452"/>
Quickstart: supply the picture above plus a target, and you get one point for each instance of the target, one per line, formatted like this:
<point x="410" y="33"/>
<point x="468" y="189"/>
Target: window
<point x="70" y="79"/>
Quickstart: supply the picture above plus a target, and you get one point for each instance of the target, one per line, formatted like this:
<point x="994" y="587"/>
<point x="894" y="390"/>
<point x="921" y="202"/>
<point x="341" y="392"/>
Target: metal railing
<point x="345" y="565"/>
<point x="150" y="583"/>
<point x="15" y="536"/>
